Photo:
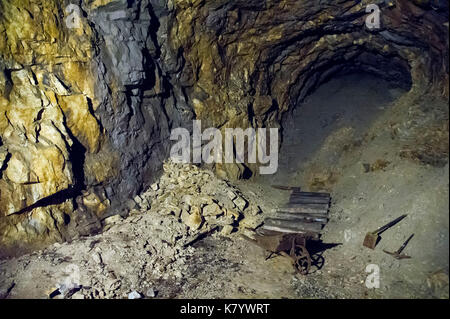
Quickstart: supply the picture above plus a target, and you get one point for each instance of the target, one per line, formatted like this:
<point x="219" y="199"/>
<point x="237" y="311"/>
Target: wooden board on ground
<point x="311" y="194"/>
<point x="303" y="210"/>
<point x="294" y="224"/>
<point x="308" y="199"/>
<point x="311" y="218"/>
<point x="316" y="206"/>
<point x="290" y="231"/>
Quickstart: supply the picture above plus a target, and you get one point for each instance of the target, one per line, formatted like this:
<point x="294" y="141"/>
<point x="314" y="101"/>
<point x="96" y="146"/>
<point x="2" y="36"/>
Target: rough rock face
<point x="86" y="109"/>
<point x="259" y="58"/>
<point x="89" y="93"/>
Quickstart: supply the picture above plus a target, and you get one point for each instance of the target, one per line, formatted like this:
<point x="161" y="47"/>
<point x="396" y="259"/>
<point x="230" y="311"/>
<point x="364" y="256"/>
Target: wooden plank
<point x="308" y="199"/>
<point x="287" y="188"/>
<point x="290" y="230"/>
<point x="311" y="194"/>
<point x="261" y="231"/>
<point x="303" y="210"/>
<point x="296" y="225"/>
<point x="307" y="218"/>
<point x="323" y="215"/>
<point x="307" y="202"/>
<point x="316" y="206"/>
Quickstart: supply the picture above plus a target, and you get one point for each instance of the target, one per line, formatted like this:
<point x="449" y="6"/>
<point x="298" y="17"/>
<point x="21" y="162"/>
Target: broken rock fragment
<point x="227" y="230"/>
<point x="240" y="203"/>
<point x="212" y="210"/>
<point x="194" y="219"/>
<point x="134" y="295"/>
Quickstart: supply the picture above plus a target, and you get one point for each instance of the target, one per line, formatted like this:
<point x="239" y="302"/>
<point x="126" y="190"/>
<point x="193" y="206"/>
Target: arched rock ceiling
<point x="243" y="55"/>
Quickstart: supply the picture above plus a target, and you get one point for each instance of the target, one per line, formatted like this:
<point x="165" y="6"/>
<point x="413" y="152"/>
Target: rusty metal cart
<point x="287" y="232"/>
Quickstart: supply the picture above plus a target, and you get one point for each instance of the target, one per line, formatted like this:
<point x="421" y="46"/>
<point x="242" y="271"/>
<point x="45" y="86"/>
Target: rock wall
<point x="260" y="58"/>
<point x="248" y="62"/>
<point x="90" y="90"/>
<point x="87" y="103"/>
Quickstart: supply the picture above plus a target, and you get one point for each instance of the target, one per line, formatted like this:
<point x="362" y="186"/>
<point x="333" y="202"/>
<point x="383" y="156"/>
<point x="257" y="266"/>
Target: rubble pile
<point x="155" y="242"/>
<point x="195" y="197"/>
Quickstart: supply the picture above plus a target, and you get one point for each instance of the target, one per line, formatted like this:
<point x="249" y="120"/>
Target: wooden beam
<point x="308" y="199"/>
<point x="311" y="194"/>
<point x="290" y="230"/>
<point x="316" y="206"/>
<point x="307" y="218"/>
<point x="303" y="210"/>
<point x="294" y="225"/>
<point x="287" y="188"/>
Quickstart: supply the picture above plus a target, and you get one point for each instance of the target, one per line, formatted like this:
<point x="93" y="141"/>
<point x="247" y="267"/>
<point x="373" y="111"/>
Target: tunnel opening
<point x="344" y="100"/>
<point x="332" y="96"/>
<point x="389" y="67"/>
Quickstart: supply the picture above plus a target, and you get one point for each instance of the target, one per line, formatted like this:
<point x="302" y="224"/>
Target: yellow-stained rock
<point x="80" y="121"/>
<point x="193" y="220"/>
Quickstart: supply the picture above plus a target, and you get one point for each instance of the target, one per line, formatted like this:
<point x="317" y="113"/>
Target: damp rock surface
<point x="89" y="93"/>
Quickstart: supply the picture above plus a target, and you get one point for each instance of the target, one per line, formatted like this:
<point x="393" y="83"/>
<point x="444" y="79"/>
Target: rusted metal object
<point x="398" y="254"/>
<point x="371" y="239"/>
<point x="287" y="232"/>
<point x="292" y="246"/>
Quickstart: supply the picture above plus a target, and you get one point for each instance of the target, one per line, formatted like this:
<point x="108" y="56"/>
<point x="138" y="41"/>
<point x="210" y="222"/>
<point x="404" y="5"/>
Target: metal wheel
<point x="301" y="258"/>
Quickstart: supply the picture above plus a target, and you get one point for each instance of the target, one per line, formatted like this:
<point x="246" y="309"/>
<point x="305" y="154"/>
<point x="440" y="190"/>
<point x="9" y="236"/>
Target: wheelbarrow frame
<point x="290" y="245"/>
<point x="287" y="232"/>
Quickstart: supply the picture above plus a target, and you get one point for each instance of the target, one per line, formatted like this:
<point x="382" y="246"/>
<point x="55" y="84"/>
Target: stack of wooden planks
<point x="305" y="213"/>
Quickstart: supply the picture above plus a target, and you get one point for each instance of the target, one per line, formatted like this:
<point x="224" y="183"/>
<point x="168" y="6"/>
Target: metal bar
<point x="399" y="251"/>
<point x="388" y="225"/>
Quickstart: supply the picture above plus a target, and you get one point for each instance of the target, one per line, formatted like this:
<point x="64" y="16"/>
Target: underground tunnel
<point x="321" y="122"/>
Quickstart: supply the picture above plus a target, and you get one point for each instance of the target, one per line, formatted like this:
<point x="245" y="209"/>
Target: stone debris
<point x="77" y="295"/>
<point x="227" y="230"/>
<point x="231" y="195"/>
<point x="112" y="220"/>
<point x="151" y="293"/>
<point x="197" y="198"/>
<point x="240" y="203"/>
<point x="438" y="283"/>
<point x="68" y="289"/>
<point x="212" y="210"/>
<point x="154" y="242"/>
<point x="134" y="295"/>
<point x="194" y="219"/>
<point x="97" y="258"/>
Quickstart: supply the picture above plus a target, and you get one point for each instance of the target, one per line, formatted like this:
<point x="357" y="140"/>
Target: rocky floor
<point x="381" y="152"/>
<point x="183" y="239"/>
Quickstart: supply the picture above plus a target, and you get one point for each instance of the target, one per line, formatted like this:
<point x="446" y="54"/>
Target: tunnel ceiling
<point x="88" y="94"/>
